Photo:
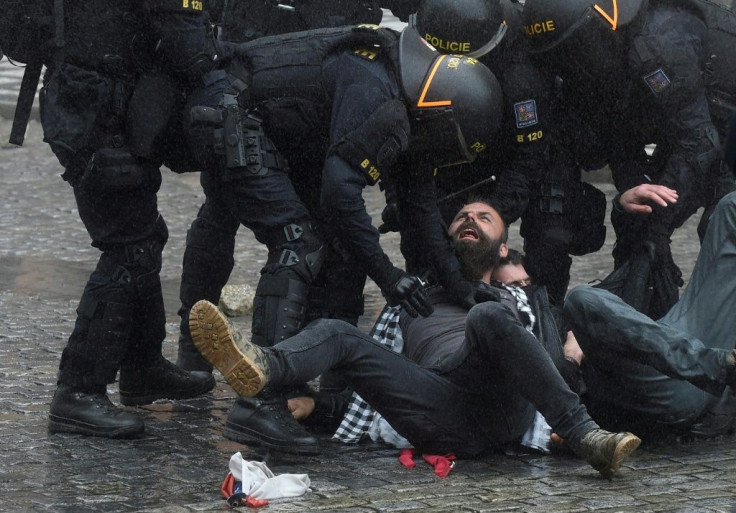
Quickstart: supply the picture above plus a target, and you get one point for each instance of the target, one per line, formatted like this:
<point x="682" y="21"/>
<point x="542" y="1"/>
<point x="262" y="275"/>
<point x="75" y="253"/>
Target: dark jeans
<point x="669" y="371"/>
<point x="482" y="396"/>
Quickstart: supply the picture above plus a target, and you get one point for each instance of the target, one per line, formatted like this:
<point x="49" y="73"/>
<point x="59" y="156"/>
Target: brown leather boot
<point x="606" y="451"/>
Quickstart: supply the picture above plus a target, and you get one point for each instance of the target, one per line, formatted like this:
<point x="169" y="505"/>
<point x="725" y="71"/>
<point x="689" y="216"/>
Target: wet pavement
<point x="178" y="465"/>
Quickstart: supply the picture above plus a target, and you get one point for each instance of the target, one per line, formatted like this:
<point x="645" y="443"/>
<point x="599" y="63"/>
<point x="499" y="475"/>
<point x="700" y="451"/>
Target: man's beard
<point x="477" y="256"/>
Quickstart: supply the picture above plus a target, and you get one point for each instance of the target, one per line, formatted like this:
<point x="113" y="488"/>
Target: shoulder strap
<point x="31" y="76"/>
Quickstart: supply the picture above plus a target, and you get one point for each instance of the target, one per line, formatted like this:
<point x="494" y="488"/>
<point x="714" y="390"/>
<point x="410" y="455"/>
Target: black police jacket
<point x="321" y="95"/>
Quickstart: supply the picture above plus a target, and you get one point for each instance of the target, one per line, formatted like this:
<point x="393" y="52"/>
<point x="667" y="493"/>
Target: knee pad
<point x="296" y="247"/>
<point x="279" y="307"/>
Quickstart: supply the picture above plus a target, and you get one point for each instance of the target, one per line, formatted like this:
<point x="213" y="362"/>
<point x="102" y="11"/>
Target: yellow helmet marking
<point x="428" y="83"/>
<point x="613" y="21"/>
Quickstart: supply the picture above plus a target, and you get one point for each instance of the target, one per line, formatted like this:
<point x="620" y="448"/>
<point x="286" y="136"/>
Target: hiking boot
<point x="267" y="422"/>
<point x="161" y="380"/>
<point x="719" y="419"/>
<point x="188" y="357"/>
<point x="92" y="414"/>
<point x="247" y="370"/>
<point x="606" y="451"/>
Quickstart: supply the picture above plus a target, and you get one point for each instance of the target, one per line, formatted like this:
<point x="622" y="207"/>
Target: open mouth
<point x="467" y="234"/>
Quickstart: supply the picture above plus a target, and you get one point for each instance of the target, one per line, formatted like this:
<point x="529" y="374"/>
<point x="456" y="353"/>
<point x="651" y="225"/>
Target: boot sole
<point x="214" y="340"/>
<point x="257" y="440"/>
<point x="131" y="399"/>
<point x="63" y="425"/>
<point x="624" y="448"/>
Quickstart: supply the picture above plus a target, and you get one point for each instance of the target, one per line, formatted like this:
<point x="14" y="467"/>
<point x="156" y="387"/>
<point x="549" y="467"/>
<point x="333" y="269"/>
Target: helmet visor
<point x="493" y="43"/>
<point x="437" y="138"/>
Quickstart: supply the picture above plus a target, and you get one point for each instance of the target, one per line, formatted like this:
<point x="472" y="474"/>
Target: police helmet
<point x="548" y="23"/>
<point x="454" y="102"/>
<point x="468" y="27"/>
<point x="582" y="37"/>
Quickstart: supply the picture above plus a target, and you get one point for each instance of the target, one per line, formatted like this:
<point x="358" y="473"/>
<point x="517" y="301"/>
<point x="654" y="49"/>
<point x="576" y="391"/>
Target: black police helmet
<point x="468" y="27"/>
<point x="547" y="23"/>
<point x="454" y="102"/>
<point x="581" y="40"/>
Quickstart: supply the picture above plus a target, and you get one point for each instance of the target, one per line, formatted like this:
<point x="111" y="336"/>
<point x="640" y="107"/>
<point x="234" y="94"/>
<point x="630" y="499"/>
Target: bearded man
<point x="465" y="388"/>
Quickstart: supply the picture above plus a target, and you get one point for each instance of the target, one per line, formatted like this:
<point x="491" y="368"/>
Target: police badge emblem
<point x="657" y="81"/>
<point x="526" y="113"/>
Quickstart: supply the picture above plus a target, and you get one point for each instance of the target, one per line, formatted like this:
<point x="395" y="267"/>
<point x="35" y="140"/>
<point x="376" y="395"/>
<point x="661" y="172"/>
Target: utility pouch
<point x="114" y="169"/>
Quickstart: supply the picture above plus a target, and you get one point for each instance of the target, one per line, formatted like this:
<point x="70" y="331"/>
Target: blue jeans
<point x="481" y="396"/>
<point x="670" y="371"/>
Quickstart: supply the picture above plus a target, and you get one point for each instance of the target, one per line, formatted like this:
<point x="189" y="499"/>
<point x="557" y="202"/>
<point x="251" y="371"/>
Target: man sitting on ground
<point x="473" y="394"/>
<point x="676" y="372"/>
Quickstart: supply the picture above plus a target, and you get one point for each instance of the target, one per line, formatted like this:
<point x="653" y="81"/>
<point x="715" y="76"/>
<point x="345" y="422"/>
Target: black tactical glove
<point x="408" y="291"/>
<point x="389" y="218"/>
<point x="470" y="293"/>
<point x="666" y="278"/>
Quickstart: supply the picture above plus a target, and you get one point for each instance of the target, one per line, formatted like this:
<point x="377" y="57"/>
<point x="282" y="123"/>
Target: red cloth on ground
<point x="442" y="463"/>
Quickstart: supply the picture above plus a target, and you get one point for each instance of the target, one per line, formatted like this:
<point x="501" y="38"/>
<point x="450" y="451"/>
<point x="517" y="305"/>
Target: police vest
<point x="290" y="65"/>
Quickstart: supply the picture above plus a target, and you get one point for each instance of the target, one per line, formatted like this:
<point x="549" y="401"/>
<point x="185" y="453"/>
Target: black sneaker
<point x="268" y="423"/>
<point x="92" y="414"/>
<point x="161" y="380"/>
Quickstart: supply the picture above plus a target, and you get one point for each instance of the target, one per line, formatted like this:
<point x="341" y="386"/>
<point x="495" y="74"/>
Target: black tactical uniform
<point x="99" y="114"/>
<point x="525" y="173"/>
<point x="334" y="103"/>
<point x="335" y="289"/>
<point x="639" y="73"/>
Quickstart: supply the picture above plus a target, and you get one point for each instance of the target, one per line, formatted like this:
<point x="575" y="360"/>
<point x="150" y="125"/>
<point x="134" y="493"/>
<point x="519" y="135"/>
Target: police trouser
<point x="564" y="217"/>
<point x="120" y="318"/>
<point x="269" y="206"/>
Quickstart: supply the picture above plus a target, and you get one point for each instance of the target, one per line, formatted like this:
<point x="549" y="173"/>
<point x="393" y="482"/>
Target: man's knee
<point x="579" y="299"/>
<point x="488" y="315"/>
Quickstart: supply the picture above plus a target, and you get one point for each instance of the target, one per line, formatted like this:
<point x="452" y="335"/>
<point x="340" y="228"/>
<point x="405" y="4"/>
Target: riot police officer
<point x="528" y="173"/>
<point x="288" y="134"/>
<point x="105" y="117"/>
<point x="638" y="73"/>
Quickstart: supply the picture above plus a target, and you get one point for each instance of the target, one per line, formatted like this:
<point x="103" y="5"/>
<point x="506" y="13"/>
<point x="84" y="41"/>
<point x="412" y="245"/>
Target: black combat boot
<point x="267" y="422"/>
<point x="161" y="380"/>
<point x="90" y="413"/>
<point x="188" y="358"/>
<point x="264" y="420"/>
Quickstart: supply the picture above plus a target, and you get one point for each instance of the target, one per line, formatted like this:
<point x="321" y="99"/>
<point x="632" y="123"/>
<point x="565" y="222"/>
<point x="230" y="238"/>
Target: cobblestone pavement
<point x="179" y="464"/>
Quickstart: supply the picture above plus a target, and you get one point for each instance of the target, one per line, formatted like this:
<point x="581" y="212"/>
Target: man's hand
<point x="638" y="200"/>
<point x="301" y="407"/>
<point x="572" y="349"/>
<point x="408" y="291"/>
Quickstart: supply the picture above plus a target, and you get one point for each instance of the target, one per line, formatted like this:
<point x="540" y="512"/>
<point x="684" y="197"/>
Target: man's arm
<point x="368" y="131"/>
<point x="639" y="199"/>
